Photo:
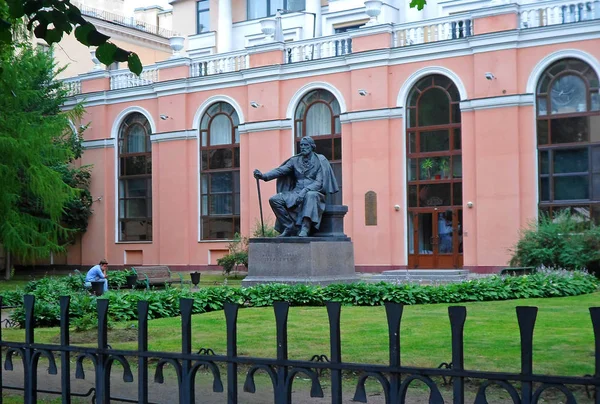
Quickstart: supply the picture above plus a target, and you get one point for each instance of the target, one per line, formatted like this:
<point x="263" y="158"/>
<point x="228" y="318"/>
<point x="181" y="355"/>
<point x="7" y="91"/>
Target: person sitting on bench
<point x="97" y="273"/>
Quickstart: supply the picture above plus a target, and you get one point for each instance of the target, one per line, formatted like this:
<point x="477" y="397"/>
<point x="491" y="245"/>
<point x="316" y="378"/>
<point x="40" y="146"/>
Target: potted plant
<point x="445" y="167"/>
<point x="426" y="166"/>
<point x="132" y="277"/>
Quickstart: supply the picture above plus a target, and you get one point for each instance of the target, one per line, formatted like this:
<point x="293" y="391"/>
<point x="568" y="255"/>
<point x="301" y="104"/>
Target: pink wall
<point x="499" y="158"/>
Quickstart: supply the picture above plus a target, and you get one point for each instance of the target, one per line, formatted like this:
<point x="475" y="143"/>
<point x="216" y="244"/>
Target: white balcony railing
<point x="126" y="79"/>
<point x="73" y="87"/>
<point x="224" y="63"/>
<point x="319" y="48"/>
<point x="439" y="29"/>
<point x="554" y="12"/>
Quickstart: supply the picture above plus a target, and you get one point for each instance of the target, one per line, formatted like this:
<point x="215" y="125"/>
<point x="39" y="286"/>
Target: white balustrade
<point x="313" y="49"/>
<point x="73" y="87"/>
<point x="439" y="29"/>
<point x="224" y="63"/>
<point x="544" y="13"/>
<point x="126" y="79"/>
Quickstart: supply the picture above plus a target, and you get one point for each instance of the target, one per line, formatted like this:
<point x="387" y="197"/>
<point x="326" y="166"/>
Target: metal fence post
<point x="335" y="341"/>
<point x="283" y="395"/>
<point x="142" y="308"/>
<point x="187" y="393"/>
<point x="393" y="313"/>
<point x="595" y="314"/>
<point x="526" y="316"/>
<point x="65" y="364"/>
<point x="102" y="379"/>
<point x="458" y="315"/>
<point x="231" y="312"/>
<point x="30" y="382"/>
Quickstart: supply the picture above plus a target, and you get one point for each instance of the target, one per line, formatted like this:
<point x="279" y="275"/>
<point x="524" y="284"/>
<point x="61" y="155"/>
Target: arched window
<point x="135" y="179"/>
<point x="220" y="172"/>
<point x="318" y="116"/>
<point x="568" y="138"/>
<point x="434" y="174"/>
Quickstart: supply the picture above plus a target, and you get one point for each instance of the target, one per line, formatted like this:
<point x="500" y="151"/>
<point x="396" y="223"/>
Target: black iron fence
<point x="524" y="387"/>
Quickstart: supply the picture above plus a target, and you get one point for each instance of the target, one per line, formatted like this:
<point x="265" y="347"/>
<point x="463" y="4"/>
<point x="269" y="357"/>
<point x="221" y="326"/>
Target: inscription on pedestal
<point x="371" y="208"/>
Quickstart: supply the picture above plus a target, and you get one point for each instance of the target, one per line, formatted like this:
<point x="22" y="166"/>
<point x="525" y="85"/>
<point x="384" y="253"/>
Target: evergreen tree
<point x="41" y="207"/>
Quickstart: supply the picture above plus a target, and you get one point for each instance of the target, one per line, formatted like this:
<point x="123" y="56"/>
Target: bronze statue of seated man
<point x="302" y="183"/>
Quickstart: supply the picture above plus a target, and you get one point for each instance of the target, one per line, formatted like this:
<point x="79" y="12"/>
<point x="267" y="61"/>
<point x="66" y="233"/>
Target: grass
<point x="563" y="338"/>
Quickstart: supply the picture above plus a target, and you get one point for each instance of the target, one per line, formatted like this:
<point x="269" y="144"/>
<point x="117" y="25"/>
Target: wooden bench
<point x="517" y="271"/>
<point x="157" y="275"/>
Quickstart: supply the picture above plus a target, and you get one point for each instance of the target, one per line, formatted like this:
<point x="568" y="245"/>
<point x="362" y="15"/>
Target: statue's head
<point x="307" y="145"/>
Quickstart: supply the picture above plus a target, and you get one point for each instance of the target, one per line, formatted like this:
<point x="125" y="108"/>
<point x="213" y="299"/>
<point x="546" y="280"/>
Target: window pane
<point x="595" y="101"/>
<point x="541" y="106"/>
<point x="457" y="166"/>
<point x="236" y="157"/>
<point x="217" y="228"/>
<point x="318" y="120"/>
<point x="542" y="132"/>
<point x="203" y="18"/>
<point x="136" y="140"/>
<point x="204" y="205"/>
<point x="295" y="5"/>
<point x="412" y="142"/>
<point x="434" y="108"/>
<point x="411" y="233"/>
<point x="434" y="195"/>
<point x="457" y="139"/>
<point x="412" y="169"/>
<point x="135" y="165"/>
<point x="412" y="196"/>
<point x="221" y="182"/>
<point x="221" y="204"/>
<point x="412" y="117"/>
<point x="594" y="128"/>
<point x="136" y="208"/>
<point x="337" y="148"/>
<point x="544" y="163"/>
<point x="438" y="140"/>
<point x="570" y="161"/>
<point x="135" y="230"/>
<point x="324" y="148"/>
<point x="204" y="181"/>
<point x="568" y="95"/>
<point x="457" y="193"/>
<point x="569" y="130"/>
<point x="571" y="187"/>
<point x="544" y="189"/>
<point x="220" y="130"/>
<point x="456" y="113"/>
<point x="425" y="233"/>
<point x="220" y="158"/>
<point x="136" y="188"/>
<point x="596" y="187"/>
<point x="275" y="5"/>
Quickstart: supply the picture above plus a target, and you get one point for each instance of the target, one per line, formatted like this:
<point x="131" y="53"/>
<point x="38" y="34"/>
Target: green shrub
<point x="562" y="241"/>
<point x="165" y="303"/>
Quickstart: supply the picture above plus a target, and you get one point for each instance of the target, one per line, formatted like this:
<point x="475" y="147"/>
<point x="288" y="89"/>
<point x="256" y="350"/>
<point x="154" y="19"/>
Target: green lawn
<point x="563" y="339"/>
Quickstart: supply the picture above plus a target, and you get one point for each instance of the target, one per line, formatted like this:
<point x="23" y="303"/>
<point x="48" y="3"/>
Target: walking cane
<point x="262" y="223"/>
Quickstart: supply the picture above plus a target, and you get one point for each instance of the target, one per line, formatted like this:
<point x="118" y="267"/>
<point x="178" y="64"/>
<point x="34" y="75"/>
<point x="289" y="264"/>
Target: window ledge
<point x="215" y="241"/>
<point x="133" y="242"/>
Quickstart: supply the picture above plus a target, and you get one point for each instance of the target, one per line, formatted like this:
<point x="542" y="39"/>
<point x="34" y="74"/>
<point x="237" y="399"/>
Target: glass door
<point x="435" y="239"/>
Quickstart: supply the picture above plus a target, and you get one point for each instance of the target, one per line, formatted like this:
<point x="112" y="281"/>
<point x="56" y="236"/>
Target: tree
<point x="51" y="19"/>
<point x="42" y="205"/>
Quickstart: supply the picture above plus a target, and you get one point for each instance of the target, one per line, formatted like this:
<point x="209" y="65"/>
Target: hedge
<point x="165" y="303"/>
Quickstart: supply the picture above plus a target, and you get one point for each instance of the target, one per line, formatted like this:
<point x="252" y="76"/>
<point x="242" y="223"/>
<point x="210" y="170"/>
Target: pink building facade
<point x="445" y="146"/>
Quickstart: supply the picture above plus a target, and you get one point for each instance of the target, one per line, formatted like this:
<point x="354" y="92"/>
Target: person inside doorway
<point x="97" y="273"/>
<point x="445" y="232"/>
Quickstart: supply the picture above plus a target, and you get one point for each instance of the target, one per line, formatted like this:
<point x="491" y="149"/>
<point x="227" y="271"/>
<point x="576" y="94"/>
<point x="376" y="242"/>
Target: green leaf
<point x="15" y="8"/>
<point x="134" y="64"/>
<point x="74" y="16"/>
<point x="5" y="31"/>
<point x="106" y="53"/>
<point x="32" y="7"/>
<point x="40" y="31"/>
<point x="53" y="36"/>
<point x="121" y="55"/>
<point x="82" y="32"/>
<point x="419" y="4"/>
<point x="96" y="38"/>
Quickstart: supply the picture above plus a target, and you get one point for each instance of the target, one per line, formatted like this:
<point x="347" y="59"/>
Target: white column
<point x="224" y="26"/>
<point x="312" y="6"/>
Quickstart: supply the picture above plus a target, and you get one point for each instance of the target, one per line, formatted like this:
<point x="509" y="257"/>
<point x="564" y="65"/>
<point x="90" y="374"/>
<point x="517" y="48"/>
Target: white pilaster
<point x="224" y="26"/>
<point x="312" y="6"/>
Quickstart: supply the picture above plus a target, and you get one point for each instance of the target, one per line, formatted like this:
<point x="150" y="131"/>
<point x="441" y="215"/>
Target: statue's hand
<point x="258" y="174"/>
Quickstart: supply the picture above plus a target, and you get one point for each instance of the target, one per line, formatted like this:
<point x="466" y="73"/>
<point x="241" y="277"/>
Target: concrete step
<point x="421" y="276"/>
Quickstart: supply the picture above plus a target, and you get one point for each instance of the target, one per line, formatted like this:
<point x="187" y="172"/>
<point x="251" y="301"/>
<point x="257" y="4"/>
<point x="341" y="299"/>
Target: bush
<point x="559" y="242"/>
<point x="165" y="303"/>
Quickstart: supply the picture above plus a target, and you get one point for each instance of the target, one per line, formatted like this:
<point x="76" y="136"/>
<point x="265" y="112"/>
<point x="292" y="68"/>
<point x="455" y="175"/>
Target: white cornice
<point x="517" y="100"/>
<point x="98" y="144"/>
<point x="371" y="115"/>
<point x="377" y="58"/>
<point x="177" y="135"/>
<point x="263" y="126"/>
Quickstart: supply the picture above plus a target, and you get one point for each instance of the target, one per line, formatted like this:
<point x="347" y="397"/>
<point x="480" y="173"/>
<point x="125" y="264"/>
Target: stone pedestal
<point x="304" y="260"/>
